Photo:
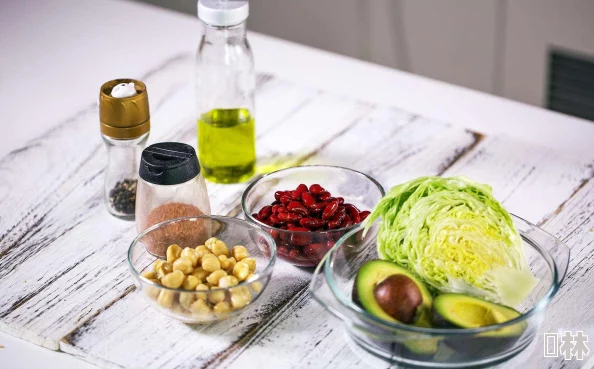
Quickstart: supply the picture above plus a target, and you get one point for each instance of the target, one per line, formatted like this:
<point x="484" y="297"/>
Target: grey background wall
<point x="496" y="46"/>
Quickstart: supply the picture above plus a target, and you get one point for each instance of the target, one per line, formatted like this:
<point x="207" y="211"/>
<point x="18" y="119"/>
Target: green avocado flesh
<point x="462" y="311"/>
<point x="375" y="271"/>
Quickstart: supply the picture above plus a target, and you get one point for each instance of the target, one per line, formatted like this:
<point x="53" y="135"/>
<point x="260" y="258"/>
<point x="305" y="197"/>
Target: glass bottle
<point x="225" y="84"/>
<point x="125" y="125"/>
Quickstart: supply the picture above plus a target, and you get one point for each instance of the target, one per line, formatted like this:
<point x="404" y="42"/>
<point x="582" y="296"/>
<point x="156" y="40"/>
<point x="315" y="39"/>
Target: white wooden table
<point x="64" y="282"/>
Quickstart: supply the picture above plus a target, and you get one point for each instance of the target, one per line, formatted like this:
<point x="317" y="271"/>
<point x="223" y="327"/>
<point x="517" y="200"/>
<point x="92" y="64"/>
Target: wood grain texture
<point x="497" y="161"/>
<point x="412" y="141"/>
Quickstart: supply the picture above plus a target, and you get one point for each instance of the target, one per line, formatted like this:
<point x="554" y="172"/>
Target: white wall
<point x="495" y="46"/>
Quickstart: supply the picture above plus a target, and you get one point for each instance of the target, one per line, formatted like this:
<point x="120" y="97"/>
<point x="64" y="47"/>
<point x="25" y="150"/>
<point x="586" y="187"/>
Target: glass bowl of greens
<point x="406" y="305"/>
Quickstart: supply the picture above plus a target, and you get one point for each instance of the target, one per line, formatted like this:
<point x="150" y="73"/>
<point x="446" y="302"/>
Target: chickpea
<point x="173" y="253"/>
<point x="232" y="263"/>
<point x="216" y="296"/>
<point x="186" y="300"/>
<point x="202" y="295"/>
<point x="200" y="308"/>
<point x="149" y="274"/>
<point x="211" y="241"/>
<point x="222" y="308"/>
<point x="256" y="285"/>
<point x="166" y="298"/>
<point x="164" y="269"/>
<point x="215" y="276"/>
<point x="228" y="281"/>
<point x="219" y="248"/>
<point x="240" y="297"/>
<point x="200" y="273"/>
<point x="179" y="310"/>
<point x="152" y="292"/>
<point x="201" y="251"/>
<point x="190" y="253"/>
<point x="240" y="252"/>
<point x="210" y="263"/>
<point x="224" y="260"/>
<point x="241" y="270"/>
<point x="183" y="264"/>
<point x="174" y="279"/>
<point x="251" y="262"/>
<point x="190" y="283"/>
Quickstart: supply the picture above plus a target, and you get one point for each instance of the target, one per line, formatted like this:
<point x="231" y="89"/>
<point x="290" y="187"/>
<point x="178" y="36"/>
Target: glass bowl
<point x="179" y="303"/>
<point x="308" y="248"/>
<point x="414" y="346"/>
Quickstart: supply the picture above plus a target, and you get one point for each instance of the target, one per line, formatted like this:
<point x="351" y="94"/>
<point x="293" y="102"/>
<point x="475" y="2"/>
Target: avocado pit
<point x="399" y="296"/>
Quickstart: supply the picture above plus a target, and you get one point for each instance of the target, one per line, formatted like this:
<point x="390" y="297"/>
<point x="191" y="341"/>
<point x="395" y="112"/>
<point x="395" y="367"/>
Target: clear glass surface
<point x="332" y="286"/>
<point x="355" y="187"/>
<point x="174" y="302"/>
<point x="122" y="165"/>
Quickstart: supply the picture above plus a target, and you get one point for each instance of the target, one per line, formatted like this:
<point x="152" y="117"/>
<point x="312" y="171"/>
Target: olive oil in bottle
<point x="226" y="145"/>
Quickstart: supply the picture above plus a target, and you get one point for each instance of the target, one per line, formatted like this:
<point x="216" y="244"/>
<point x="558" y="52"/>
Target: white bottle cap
<point x="223" y="12"/>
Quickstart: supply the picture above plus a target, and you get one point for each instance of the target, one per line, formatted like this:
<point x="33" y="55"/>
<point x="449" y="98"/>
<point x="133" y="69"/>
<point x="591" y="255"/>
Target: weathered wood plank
<point x="51" y="301"/>
<point x="321" y="337"/>
<point x="411" y="142"/>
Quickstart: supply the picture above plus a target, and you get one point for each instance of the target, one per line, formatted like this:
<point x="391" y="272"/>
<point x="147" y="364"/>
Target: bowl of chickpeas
<point x="208" y="282"/>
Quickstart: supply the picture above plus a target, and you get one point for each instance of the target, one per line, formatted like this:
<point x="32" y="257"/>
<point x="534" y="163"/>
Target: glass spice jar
<point x="171" y="186"/>
<point x="125" y="124"/>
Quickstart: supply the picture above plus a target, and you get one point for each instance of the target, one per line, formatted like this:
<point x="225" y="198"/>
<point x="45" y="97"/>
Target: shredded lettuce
<point x="455" y="236"/>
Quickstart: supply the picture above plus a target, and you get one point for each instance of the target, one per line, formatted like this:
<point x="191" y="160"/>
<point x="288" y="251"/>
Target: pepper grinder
<point x="125" y="124"/>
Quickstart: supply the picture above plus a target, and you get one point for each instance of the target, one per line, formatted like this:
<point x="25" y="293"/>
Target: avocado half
<point x="375" y="271"/>
<point x="452" y="310"/>
<point x="369" y="276"/>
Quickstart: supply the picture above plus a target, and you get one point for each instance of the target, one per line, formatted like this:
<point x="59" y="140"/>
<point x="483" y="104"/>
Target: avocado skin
<point x="480" y="345"/>
<point x="422" y="349"/>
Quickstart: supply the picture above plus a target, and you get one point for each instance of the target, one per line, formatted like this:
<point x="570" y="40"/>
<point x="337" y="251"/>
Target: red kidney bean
<point x="255" y="216"/>
<point x="330" y="244"/>
<point x="308" y="199"/>
<point x="336" y="220"/>
<point x="341" y="208"/>
<point x="353" y="212"/>
<point x="283" y="250"/>
<point x="285" y="199"/>
<point x="274" y="233"/>
<point x="318" y="207"/>
<point x="296" y="195"/>
<point x="315" y="250"/>
<point x="295" y="254"/>
<point x="279" y="194"/>
<point x="347" y="222"/>
<point x="316" y="189"/>
<point x="330" y="210"/>
<point x="364" y="214"/>
<point x="289" y="217"/>
<point x="275" y="202"/>
<point x="275" y="220"/>
<point x="265" y="212"/>
<point x="275" y="208"/>
<point x="297" y="207"/>
<point x="325" y="196"/>
<point x="311" y="223"/>
<point x="282" y="209"/>
<point x="284" y="227"/>
<point x="340" y="200"/>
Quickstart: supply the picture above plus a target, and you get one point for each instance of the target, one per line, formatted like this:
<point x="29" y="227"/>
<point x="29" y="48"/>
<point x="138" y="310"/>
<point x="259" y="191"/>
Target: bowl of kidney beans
<point x="307" y="209"/>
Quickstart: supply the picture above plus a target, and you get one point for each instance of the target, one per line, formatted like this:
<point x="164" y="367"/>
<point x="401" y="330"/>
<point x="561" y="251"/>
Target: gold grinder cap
<point x="124" y="117"/>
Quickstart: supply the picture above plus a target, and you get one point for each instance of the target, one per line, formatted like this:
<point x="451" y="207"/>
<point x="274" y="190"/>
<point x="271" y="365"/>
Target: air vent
<point x="571" y="84"/>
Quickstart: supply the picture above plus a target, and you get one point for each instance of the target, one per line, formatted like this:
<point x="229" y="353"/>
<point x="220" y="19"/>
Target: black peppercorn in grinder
<point x="125" y="124"/>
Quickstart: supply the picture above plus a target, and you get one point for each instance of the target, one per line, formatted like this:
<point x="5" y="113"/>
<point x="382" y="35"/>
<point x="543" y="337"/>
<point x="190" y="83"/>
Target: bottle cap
<point x="169" y="163"/>
<point x="223" y="13"/>
<point x="124" y="117"/>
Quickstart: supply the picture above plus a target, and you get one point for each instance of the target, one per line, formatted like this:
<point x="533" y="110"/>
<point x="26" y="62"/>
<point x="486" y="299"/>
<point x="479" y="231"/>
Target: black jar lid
<point x="169" y="163"/>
